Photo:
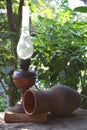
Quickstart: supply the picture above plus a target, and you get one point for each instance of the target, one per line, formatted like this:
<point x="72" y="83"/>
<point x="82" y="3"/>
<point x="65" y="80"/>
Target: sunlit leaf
<point x="33" y="8"/>
<point x="48" y="12"/>
<point x="41" y="3"/>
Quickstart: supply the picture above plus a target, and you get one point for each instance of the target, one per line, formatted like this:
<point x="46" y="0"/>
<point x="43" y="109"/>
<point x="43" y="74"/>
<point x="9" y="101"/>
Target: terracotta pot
<point x="59" y="100"/>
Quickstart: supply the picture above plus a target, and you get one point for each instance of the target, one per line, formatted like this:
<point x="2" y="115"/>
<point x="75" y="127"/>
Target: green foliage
<point x="3" y="103"/>
<point x="59" y="47"/>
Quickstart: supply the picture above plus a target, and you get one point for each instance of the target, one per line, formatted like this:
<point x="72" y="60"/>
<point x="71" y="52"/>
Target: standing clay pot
<point x="59" y="100"/>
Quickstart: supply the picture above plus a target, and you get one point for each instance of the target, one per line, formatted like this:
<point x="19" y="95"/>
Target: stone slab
<point x="77" y="121"/>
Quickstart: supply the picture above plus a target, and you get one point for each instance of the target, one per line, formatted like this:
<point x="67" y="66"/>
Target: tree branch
<point x="10" y="15"/>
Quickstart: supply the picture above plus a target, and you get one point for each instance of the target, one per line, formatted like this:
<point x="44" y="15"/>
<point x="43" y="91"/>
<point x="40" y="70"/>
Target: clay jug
<point x="60" y="100"/>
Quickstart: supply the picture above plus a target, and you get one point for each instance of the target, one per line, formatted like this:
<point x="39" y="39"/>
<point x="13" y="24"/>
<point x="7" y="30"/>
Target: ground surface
<point x="77" y="121"/>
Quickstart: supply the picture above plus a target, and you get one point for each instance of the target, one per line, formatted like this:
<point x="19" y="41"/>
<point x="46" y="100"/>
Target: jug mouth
<point x="29" y="102"/>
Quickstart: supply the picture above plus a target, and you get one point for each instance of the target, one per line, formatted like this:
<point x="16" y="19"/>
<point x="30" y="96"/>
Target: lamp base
<point x="24" y="79"/>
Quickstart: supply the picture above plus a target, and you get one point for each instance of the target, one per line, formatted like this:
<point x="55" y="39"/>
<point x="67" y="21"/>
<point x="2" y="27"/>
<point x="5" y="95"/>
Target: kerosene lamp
<point x="24" y="78"/>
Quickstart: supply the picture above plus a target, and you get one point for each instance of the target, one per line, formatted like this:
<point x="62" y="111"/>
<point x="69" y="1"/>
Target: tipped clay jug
<point x="60" y="100"/>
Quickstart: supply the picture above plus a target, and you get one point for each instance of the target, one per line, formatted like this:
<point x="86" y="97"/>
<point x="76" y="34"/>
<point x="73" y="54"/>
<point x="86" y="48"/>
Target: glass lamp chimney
<point x="25" y="47"/>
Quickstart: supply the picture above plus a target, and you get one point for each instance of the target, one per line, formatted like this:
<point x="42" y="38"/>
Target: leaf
<point x="33" y="8"/>
<point x="42" y="59"/>
<point x="62" y="75"/>
<point x="81" y="9"/>
<point x="6" y="70"/>
<point x="48" y="12"/>
<point x="27" y="2"/>
<point x="40" y="2"/>
<point x="74" y="33"/>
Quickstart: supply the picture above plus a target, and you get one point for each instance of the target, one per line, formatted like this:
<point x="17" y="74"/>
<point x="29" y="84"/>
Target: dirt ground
<point x="77" y="121"/>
